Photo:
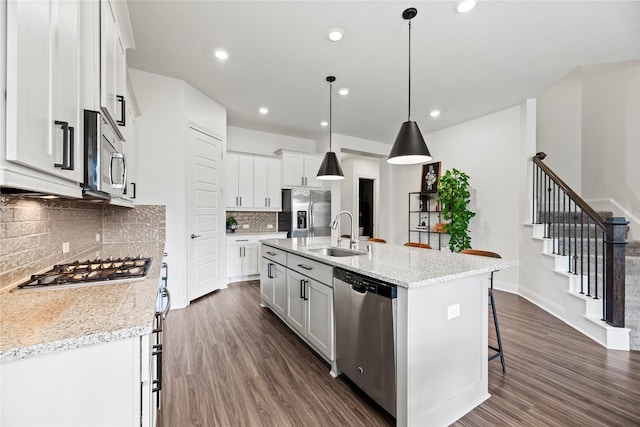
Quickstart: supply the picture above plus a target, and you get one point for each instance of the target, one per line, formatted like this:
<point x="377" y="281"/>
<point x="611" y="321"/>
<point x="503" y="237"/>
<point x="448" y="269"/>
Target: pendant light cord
<point x="409" y="109"/>
<point x="330" y="119"/>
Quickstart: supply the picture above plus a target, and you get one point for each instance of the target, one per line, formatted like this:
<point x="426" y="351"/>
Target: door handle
<point x="195" y="236"/>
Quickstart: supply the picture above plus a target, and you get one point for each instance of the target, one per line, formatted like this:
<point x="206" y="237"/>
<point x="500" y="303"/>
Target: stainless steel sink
<point x="336" y="252"/>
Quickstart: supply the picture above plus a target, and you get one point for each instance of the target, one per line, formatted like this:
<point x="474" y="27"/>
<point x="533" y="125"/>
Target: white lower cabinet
<point x="310" y="311"/>
<point x="242" y="256"/>
<point x="106" y="384"/>
<point x="273" y="286"/>
<point x="302" y="295"/>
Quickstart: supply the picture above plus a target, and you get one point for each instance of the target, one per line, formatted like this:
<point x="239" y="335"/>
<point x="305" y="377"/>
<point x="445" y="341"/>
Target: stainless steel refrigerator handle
<point x="311" y="225"/>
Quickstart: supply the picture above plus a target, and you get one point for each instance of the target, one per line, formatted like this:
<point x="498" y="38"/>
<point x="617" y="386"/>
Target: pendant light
<point x="330" y="168"/>
<point x="409" y="147"/>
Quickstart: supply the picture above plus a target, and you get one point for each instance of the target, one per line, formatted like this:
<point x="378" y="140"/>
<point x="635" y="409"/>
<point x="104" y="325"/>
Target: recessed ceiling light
<point x="324" y="123"/>
<point x="263" y="110"/>
<point x="221" y="54"/>
<point x="434" y="113"/>
<point x="465" y="6"/>
<point x="343" y="91"/>
<point x="335" y="34"/>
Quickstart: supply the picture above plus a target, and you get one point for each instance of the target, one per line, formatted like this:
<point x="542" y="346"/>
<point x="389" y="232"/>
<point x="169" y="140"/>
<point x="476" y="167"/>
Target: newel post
<point x="615" y="270"/>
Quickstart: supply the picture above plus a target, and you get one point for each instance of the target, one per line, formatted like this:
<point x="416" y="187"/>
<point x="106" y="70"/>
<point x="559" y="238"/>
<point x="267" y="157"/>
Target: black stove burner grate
<point x="98" y="270"/>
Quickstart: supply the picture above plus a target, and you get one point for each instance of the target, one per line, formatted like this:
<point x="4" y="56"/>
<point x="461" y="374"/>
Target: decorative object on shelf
<point x="330" y="168"/>
<point x="409" y="147"/>
<point x="430" y="178"/>
<point x="454" y="196"/>
<point x="232" y="224"/>
<point x="440" y="227"/>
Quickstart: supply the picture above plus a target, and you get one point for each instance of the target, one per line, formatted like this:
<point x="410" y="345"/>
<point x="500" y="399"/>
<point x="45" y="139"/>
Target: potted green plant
<point x="232" y="224"/>
<point x="454" y="198"/>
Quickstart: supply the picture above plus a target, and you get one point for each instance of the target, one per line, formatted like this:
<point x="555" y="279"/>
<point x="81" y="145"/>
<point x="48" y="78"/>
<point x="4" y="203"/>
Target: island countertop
<point x="35" y="322"/>
<point x="404" y="266"/>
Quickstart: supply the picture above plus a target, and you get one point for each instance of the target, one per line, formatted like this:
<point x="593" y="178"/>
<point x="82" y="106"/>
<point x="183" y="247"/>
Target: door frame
<point x="376" y="199"/>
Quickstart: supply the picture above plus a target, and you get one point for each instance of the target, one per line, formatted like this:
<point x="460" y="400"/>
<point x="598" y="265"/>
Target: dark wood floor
<point x="229" y="362"/>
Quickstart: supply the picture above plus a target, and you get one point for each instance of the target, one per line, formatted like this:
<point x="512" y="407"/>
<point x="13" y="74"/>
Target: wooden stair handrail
<point x="537" y="159"/>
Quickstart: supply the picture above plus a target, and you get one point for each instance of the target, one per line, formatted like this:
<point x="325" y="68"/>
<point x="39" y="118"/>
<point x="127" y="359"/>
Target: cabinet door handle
<point x="133" y="187"/>
<point x="240" y="200"/>
<point x="123" y="115"/>
<point x="168" y="307"/>
<point x="302" y="288"/>
<point x="269" y="272"/>
<point x="195" y="236"/>
<point x="304" y="294"/>
<point x="305" y="266"/>
<point x="269" y="201"/>
<point x="67" y="146"/>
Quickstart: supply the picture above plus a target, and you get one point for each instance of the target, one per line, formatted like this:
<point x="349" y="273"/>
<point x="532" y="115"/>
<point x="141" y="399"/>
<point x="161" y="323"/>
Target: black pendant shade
<point x="409" y="147"/>
<point x="330" y="168"/>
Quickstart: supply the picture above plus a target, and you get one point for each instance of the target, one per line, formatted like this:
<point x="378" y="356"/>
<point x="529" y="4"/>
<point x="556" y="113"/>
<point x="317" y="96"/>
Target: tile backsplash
<point x="258" y="222"/>
<point x="32" y="232"/>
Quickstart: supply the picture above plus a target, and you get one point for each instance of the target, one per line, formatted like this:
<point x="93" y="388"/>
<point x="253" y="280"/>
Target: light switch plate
<point x="269" y="225"/>
<point x="245" y="225"/>
<point x="65" y="247"/>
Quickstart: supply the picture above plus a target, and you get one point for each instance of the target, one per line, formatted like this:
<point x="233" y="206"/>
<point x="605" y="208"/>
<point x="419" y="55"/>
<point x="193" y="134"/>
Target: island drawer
<point x="273" y="254"/>
<point x="316" y="270"/>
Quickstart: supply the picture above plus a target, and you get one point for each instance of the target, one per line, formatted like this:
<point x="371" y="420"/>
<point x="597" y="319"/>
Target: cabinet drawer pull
<point x="305" y="266"/>
<point x="242" y="240"/>
<point x="272" y="253"/>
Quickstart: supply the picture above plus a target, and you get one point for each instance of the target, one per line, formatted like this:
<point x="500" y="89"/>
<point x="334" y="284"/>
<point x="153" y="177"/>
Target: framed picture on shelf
<point x="430" y="177"/>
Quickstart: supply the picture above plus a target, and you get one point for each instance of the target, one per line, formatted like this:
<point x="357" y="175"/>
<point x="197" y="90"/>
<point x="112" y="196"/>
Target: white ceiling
<point x="465" y="65"/>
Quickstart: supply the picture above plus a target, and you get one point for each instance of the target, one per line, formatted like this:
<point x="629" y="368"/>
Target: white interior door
<point x="206" y="214"/>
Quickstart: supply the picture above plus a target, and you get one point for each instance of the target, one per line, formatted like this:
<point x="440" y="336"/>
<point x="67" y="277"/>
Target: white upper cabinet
<point x="130" y="144"/>
<point x="113" y="67"/>
<point x="267" y="183"/>
<point x="239" y="181"/>
<point x="43" y="129"/>
<point x="300" y="169"/>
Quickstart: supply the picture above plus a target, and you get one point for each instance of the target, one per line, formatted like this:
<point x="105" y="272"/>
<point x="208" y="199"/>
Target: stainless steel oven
<point x="105" y="173"/>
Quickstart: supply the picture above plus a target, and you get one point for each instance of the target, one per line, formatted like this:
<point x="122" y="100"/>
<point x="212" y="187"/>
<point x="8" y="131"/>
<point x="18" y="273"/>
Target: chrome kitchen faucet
<point x="334" y="225"/>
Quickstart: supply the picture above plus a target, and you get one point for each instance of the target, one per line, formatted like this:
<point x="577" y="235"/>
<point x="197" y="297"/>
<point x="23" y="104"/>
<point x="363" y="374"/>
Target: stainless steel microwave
<point x="105" y="166"/>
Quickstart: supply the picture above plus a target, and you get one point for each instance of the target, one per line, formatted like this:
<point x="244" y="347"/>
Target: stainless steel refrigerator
<point x="305" y="213"/>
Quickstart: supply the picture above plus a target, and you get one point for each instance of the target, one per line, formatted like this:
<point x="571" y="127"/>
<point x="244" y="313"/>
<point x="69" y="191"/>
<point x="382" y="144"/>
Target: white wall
<point x="611" y="134"/>
<point x="559" y="128"/>
<point x="252" y="141"/>
<point x="166" y="105"/>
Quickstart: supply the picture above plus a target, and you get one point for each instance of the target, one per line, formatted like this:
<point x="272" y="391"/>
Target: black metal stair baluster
<point x="558" y="224"/>
<point x="575" y="240"/>
<point x="548" y="207"/>
<point x="564" y="225"/>
<point x="595" y="262"/>
<point x="569" y="224"/>
<point x="554" y="219"/>
<point x="604" y="279"/>
<point x="588" y="256"/>
<point x="582" y="255"/>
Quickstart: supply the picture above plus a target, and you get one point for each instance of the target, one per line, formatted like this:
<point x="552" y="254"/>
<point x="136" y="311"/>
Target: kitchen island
<point x="441" y="323"/>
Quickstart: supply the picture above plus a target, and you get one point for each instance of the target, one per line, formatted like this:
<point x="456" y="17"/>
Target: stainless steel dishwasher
<point x="365" y="334"/>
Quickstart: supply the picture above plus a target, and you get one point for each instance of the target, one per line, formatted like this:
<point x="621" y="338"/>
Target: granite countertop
<point x="400" y="265"/>
<point x="35" y="322"/>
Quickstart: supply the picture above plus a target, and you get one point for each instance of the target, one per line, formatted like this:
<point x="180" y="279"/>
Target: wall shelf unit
<point x="424" y="214"/>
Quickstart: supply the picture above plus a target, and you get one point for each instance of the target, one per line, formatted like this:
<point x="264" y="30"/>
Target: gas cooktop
<point x="97" y="271"/>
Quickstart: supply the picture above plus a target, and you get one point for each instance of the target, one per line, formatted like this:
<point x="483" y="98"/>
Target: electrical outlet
<point x="65" y="247"/>
<point x="245" y="225"/>
<point x="453" y="311"/>
<point x="269" y="225"/>
<point x="97" y="237"/>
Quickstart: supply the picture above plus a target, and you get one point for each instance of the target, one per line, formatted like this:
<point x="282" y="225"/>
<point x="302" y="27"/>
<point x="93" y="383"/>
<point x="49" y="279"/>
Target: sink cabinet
<point x="300" y="291"/>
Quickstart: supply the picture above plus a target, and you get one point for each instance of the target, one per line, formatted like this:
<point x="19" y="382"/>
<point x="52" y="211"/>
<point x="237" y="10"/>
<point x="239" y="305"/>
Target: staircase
<point x="582" y="269"/>
<point x="582" y="305"/>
